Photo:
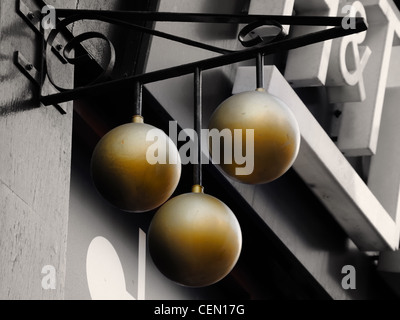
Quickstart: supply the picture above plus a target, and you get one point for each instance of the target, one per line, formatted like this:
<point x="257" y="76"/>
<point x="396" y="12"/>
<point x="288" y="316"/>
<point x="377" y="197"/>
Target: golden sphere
<point x="276" y="135"/>
<point x="122" y="173"/>
<point x="195" y="240"/>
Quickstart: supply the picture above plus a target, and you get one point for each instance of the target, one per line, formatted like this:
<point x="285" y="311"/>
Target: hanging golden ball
<point x="195" y="240"/>
<point x="125" y="173"/>
<point x="276" y="136"/>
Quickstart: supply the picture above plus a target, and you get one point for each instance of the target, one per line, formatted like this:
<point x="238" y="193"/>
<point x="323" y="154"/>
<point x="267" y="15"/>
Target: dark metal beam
<point x="206" y="18"/>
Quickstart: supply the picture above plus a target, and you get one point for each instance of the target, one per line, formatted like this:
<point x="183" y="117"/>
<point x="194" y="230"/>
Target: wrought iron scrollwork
<point x="73" y="44"/>
<point x="275" y="33"/>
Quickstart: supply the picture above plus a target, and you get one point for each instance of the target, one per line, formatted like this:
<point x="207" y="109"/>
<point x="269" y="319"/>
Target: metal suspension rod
<point x="198" y="121"/>
<point x="138" y="94"/>
<point x="260" y="71"/>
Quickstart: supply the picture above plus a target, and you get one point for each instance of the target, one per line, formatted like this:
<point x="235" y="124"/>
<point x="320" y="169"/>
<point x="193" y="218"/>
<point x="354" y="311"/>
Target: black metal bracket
<point x="32" y="73"/>
<point x="260" y="46"/>
<point x="27" y="68"/>
<point x="33" y="19"/>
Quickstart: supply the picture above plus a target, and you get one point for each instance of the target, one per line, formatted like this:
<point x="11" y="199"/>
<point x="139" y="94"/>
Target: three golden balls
<point x="194" y="239"/>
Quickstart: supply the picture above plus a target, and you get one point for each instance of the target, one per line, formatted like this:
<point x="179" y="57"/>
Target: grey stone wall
<point x="35" y="152"/>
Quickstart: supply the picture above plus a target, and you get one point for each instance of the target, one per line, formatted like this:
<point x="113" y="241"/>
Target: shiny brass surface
<point x="276" y="134"/>
<point x="197" y="189"/>
<point x="195" y="240"/>
<point x="123" y="175"/>
<point x="137" y="119"/>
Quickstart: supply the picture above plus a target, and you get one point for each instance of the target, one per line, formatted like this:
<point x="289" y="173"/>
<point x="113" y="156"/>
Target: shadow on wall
<point x="19" y="93"/>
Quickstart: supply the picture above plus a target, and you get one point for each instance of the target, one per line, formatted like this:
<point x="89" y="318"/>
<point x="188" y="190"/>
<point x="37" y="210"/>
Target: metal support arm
<point x="261" y="46"/>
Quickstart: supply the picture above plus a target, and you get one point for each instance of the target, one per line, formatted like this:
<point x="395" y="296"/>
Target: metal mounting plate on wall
<point x="32" y="74"/>
<point x="33" y="17"/>
<point x="27" y="68"/>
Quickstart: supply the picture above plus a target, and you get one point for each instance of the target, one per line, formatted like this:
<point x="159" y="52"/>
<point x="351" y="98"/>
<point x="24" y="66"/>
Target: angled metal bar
<point x="231" y="58"/>
<point x="133" y="26"/>
<point x="207" y="18"/>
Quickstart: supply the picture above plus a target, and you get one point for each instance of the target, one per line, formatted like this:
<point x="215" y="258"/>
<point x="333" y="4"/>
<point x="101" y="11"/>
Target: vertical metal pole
<point x="197" y="172"/>
<point x="43" y="66"/>
<point x="138" y="94"/>
<point x="260" y="71"/>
